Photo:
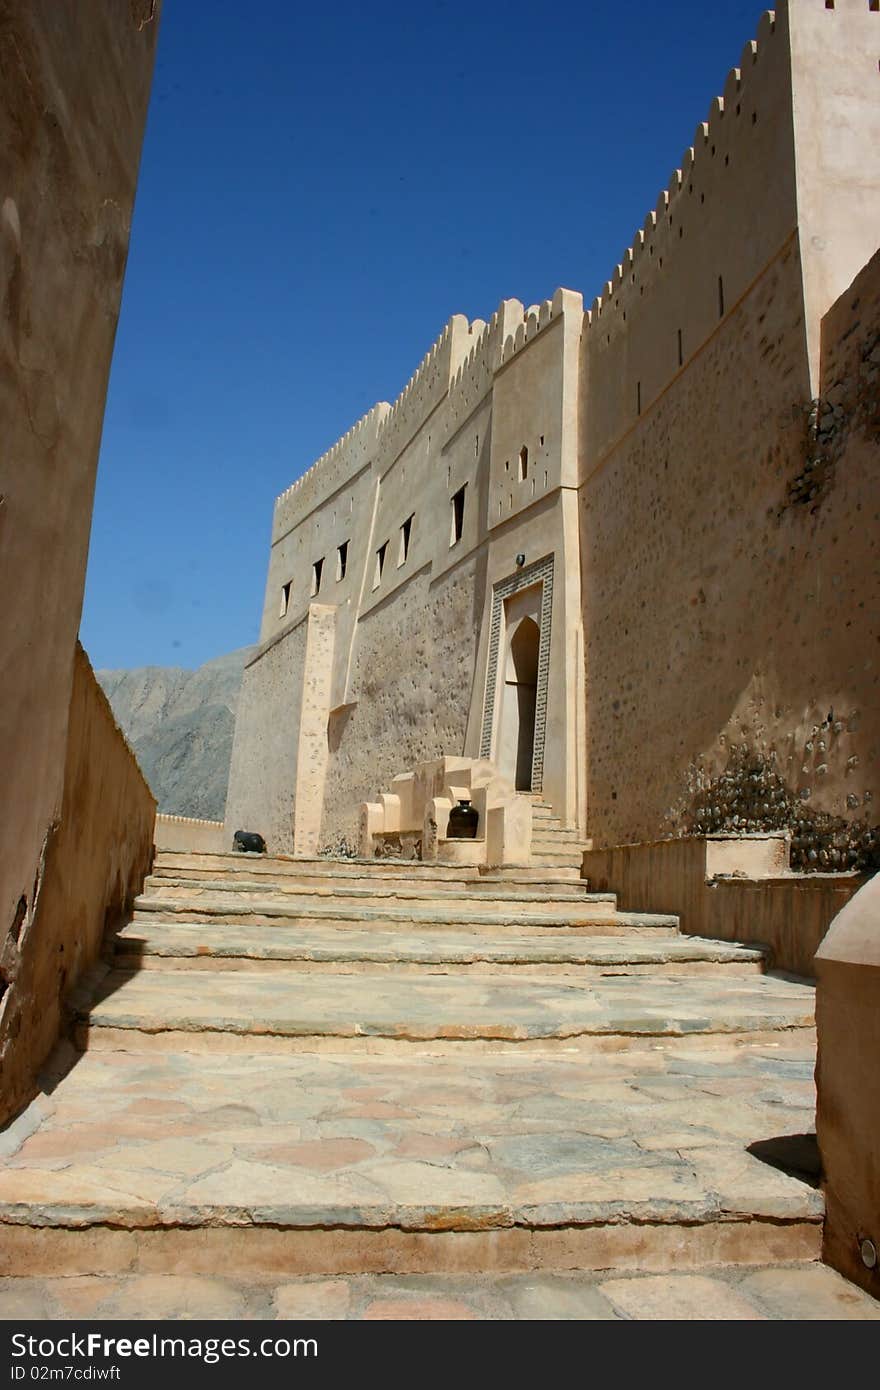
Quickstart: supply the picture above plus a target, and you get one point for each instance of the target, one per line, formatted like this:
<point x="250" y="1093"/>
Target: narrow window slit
<point x="457" y="504"/>
<point x="405" y="533"/>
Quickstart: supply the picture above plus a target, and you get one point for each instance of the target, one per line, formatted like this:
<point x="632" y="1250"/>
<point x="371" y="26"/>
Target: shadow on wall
<point x="94" y="863"/>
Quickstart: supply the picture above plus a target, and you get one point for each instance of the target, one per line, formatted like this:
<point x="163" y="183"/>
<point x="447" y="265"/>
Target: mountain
<point x="180" y="725"/>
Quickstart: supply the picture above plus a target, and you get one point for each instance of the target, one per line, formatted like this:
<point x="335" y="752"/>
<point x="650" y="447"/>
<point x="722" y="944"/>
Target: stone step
<point x="542" y="847"/>
<point x="329" y="949"/>
<point x="744" y="1293"/>
<point x="279" y="866"/>
<point x="597" y="916"/>
<point x="550" y="859"/>
<point x="136" y="1163"/>
<point x="534" y="879"/>
<point x="244" y="865"/>
<point x="553" y="835"/>
<point x="480" y="894"/>
<point x="642" y="925"/>
<point x="291" y="1010"/>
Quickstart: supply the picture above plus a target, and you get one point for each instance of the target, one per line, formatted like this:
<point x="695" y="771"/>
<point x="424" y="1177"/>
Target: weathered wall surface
<point x="684" y="570"/>
<point x="262" y="776"/>
<point x="95" y="862"/>
<point x="742" y="893"/>
<point x="731" y="597"/>
<point x="413" y="671"/>
<point x="74" y="86"/>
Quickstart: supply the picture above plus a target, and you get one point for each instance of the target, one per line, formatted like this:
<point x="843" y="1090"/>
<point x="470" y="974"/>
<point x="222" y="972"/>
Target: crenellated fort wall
<point x="643" y="456"/>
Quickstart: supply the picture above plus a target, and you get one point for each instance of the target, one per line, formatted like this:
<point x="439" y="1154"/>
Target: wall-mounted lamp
<point x="520" y="560"/>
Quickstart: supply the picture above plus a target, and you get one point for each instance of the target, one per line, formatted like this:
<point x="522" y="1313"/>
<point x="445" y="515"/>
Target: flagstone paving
<point x="168" y="945"/>
<point x="306" y="1141"/>
<point x="423" y="1005"/>
<point x="779" y="1292"/>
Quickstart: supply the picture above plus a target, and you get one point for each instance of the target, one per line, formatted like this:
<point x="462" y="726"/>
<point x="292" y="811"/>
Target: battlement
<point x="533" y="319"/>
<point x="425" y="389"/>
<point x="352" y="452"/>
<point x="714" y="135"/>
<point x="495" y="343"/>
<point x="473" y="374"/>
<point x="386" y="428"/>
<point x="726" y="212"/>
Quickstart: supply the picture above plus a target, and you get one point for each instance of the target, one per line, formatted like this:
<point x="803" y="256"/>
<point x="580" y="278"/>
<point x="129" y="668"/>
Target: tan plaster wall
<point x="74" y="86"/>
<point x="835" y="54"/>
<point x="412" y="675"/>
<point x="758" y="903"/>
<point x="262" y="774"/>
<point x="96" y="859"/>
<point x="191" y="835"/>
<point x="727" y="210"/>
<point x="312" y="752"/>
<point x="685" y="570"/>
<point x="724" y="606"/>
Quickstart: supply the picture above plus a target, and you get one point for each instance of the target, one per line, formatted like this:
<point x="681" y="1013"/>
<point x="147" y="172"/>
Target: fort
<point x="606" y="572"/>
<point x="621" y="552"/>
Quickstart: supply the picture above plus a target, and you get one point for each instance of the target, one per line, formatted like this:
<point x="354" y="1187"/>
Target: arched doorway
<point x="519" y="698"/>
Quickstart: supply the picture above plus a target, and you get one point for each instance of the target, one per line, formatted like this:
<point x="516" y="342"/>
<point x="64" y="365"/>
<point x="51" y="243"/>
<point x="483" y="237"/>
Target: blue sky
<point x="321" y="187"/>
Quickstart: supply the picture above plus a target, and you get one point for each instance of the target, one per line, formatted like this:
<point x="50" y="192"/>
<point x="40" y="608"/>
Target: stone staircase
<point x="553" y="846"/>
<point x="382" y="1089"/>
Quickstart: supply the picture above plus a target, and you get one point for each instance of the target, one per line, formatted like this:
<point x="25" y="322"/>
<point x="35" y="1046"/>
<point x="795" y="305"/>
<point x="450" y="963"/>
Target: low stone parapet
<point x="188" y="835"/>
<point x="94" y="863"/>
<point x="729" y="888"/>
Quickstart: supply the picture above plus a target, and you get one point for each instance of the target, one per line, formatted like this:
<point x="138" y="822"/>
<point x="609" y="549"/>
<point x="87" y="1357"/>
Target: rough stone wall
<point x="262" y="776"/>
<point x="74" y="86"/>
<point x="731" y="610"/>
<point x="95" y="861"/>
<point x="414" y="666"/>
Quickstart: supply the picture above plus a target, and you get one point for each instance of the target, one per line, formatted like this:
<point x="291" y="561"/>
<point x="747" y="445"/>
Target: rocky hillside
<point x="180" y="725"/>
